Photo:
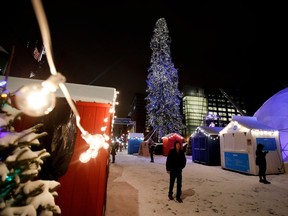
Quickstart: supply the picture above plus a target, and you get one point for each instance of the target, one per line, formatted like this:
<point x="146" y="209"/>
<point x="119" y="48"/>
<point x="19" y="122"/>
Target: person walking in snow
<point x="175" y="163"/>
<point x="261" y="163"/>
<point x="113" y="152"/>
<point x="151" y="150"/>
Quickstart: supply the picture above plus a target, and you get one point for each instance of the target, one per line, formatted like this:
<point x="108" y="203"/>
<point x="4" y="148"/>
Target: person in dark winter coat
<point x="151" y="150"/>
<point x="113" y="152"/>
<point x="261" y="163"/>
<point x="175" y="163"/>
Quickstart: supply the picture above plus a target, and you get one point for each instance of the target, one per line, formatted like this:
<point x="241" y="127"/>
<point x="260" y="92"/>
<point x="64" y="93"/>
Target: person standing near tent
<point x="113" y="152"/>
<point x="151" y="150"/>
<point x="175" y="163"/>
<point x="261" y="163"/>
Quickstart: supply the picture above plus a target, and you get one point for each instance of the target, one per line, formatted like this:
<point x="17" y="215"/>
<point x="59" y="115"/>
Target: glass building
<point x="210" y="107"/>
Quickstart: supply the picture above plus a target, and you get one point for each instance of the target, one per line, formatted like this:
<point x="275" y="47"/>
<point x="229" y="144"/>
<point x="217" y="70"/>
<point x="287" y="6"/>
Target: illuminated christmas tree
<point x="22" y="192"/>
<point x="164" y="98"/>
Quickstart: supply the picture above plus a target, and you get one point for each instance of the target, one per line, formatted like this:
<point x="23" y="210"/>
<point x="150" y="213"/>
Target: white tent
<point x="274" y="113"/>
<point x="238" y="142"/>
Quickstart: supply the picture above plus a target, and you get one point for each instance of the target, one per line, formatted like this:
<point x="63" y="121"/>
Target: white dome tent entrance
<point x="274" y="113"/>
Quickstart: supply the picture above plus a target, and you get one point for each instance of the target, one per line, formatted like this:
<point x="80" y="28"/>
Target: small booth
<point x="134" y="141"/>
<point x="84" y="182"/>
<point x="206" y="145"/>
<point x="144" y="149"/>
<point x="169" y="140"/>
<point x="238" y="142"/>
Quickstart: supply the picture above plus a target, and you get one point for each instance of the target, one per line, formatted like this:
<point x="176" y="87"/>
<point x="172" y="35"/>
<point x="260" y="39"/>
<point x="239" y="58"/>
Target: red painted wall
<point x="83" y="187"/>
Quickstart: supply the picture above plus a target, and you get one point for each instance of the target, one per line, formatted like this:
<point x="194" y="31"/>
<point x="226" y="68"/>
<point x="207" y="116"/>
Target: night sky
<point x="232" y="44"/>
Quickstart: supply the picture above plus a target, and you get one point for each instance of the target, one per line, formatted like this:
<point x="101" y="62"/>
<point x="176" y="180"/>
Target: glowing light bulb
<point x="103" y="128"/>
<point x="84" y="157"/>
<point x="39" y="99"/>
<point x="105" y="145"/>
<point x="35" y="100"/>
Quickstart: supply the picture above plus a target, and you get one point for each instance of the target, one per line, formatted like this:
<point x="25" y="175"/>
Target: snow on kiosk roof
<point x="252" y="123"/>
<point x="78" y="92"/>
<point x="208" y="130"/>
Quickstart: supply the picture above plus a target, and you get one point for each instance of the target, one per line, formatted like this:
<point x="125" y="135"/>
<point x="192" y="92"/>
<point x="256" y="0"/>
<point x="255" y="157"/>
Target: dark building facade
<point x="137" y="112"/>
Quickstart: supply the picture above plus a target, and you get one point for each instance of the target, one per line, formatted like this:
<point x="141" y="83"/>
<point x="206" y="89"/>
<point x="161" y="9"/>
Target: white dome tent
<point x="274" y="113"/>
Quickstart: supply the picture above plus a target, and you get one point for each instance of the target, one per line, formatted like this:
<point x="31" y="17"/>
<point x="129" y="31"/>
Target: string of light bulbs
<point x="46" y="98"/>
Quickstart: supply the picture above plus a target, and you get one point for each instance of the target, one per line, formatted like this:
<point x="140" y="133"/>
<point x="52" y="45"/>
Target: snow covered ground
<point x="139" y="188"/>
